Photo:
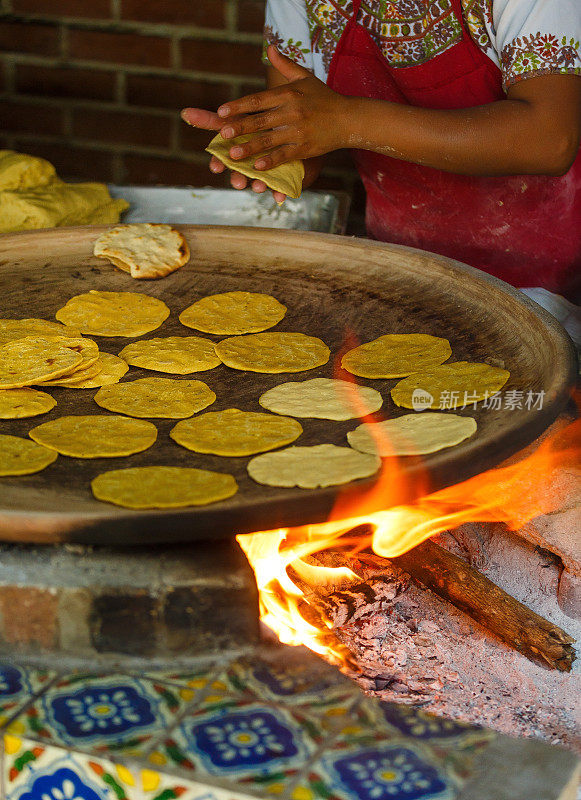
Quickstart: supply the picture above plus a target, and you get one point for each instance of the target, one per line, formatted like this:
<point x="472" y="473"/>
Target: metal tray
<point x="324" y="212"/>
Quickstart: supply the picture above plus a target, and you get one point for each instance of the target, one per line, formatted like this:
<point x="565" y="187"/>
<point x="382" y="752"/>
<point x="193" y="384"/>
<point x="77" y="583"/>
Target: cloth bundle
<point x="33" y="196"/>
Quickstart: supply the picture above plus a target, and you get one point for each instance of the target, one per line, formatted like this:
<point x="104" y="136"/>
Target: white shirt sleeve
<point x="536" y="37"/>
<point x="286" y="26"/>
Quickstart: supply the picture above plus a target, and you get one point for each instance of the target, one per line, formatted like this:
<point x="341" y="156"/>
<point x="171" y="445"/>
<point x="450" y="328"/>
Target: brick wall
<point x="95" y="86"/>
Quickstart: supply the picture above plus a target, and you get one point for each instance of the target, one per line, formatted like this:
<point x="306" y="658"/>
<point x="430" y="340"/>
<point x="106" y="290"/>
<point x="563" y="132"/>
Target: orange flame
<point x="513" y="494"/>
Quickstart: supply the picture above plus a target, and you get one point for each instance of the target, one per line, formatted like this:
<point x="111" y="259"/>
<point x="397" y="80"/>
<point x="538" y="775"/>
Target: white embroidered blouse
<point x="525" y="38"/>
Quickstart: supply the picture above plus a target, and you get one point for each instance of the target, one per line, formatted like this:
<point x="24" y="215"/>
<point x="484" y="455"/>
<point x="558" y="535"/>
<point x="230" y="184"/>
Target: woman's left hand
<point x="299" y="119"/>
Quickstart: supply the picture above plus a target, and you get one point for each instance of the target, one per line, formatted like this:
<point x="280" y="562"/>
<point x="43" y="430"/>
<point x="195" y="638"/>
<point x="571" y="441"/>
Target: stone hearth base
<point x="80" y="606"/>
<point x="275" y="723"/>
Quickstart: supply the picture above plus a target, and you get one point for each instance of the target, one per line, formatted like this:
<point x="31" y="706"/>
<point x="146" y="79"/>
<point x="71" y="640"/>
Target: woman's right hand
<point x="239" y="181"/>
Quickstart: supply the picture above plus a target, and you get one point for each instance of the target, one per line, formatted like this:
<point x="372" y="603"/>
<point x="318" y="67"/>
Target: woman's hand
<point x="299" y="119"/>
<point x="239" y="181"/>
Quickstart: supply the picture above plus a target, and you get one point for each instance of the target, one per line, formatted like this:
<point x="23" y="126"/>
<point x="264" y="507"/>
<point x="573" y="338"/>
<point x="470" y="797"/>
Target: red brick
<point x="114" y="126"/>
<point x="204" y="13"/>
<point x="65" y="82"/>
<point x="159" y="92"/>
<point x="223" y="57"/>
<point x="97" y="9"/>
<point x="120" y="48"/>
<point x="29" y="37"/>
<point x="251" y="15"/>
<point x="29" y="616"/>
<point x="147" y="170"/>
<point x="24" y="118"/>
<point x="72" y="162"/>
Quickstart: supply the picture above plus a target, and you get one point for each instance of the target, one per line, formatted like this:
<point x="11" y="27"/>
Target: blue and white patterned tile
<point x="254" y="745"/>
<point x="39" y="772"/>
<point x="196" y="678"/>
<point x="114" y="713"/>
<point x="159" y="786"/>
<point x="394" y="770"/>
<point x="18" y="685"/>
<point x="453" y="744"/>
<point x="412" y="721"/>
<point x="290" y="676"/>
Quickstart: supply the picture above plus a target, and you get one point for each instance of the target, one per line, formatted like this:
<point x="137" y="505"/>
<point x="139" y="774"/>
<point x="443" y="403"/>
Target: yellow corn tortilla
<point x="125" y="314"/>
<point x="412" y="434"/>
<point x="21" y="403"/>
<point x="273" y="352"/>
<point x="87" y="349"/>
<point x="146" y="250"/>
<point x="312" y="467"/>
<point x="449" y="386"/>
<point x="235" y="433"/>
<point x="111" y="369"/>
<point x="177" y="355"/>
<point x="98" y="436"/>
<point x="286" y="178"/>
<point x="13" y="329"/>
<point x="163" y="487"/>
<point x="396" y="355"/>
<point x="78" y="376"/>
<point x="322" y="398"/>
<point x="28" y="361"/>
<point x="233" y="313"/>
<point x="23" y="457"/>
<point x="156" y="397"/>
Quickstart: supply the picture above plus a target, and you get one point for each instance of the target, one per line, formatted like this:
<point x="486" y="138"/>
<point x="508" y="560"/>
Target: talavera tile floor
<point x="281" y="724"/>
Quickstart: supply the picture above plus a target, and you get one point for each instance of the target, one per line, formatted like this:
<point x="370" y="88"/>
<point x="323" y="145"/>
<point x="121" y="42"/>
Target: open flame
<point x="512" y="494"/>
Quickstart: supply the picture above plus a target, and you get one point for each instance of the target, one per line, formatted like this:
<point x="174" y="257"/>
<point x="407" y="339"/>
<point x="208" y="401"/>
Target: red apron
<point x="524" y="229"/>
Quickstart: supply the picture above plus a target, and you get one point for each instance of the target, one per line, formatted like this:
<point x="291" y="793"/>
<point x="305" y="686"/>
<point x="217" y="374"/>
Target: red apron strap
<point x="345" y="36"/>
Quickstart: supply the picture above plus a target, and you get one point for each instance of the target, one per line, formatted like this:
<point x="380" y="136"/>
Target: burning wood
<point x="454" y="580"/>
<point x="514" y="494"/>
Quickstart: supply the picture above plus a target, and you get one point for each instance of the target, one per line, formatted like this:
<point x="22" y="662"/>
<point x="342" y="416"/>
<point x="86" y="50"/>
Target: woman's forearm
<point x="508" y="137"/>
<point x="535" y="130"/>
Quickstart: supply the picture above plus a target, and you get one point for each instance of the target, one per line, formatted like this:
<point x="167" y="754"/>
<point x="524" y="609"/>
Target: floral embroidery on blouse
<point x="407" y="32"/>
<point x="411" y="32"/>
<point x="540" y="54"/>
<point x="478" y="18"/>
<point x="327" y="21"/>
<point x="290" y="48"/>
